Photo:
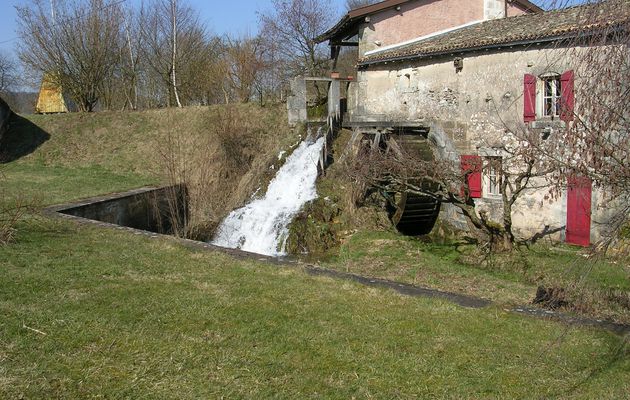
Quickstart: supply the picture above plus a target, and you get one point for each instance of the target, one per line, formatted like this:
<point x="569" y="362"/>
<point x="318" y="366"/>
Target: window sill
<point x="542" y="123"/>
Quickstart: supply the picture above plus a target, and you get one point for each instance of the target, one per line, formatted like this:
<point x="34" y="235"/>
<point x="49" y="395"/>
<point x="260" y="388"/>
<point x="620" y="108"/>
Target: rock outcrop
<point x="5" y="116"/>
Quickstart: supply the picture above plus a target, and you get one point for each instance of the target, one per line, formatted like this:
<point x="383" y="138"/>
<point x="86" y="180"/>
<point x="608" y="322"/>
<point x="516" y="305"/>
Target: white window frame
<point x="492" y="177"/>
<point x="554" y="96"/>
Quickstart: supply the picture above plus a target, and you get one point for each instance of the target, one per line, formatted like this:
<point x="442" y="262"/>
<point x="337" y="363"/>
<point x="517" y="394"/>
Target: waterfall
<point x="262" y="225"/>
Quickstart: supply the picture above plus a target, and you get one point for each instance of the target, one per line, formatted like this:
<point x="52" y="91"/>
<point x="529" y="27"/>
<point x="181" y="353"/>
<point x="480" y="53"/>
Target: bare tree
<point x="205" y="73"/>
<point x="394" y="169"/>
<point x="174" y="40"/>
<point x="595" y="144"/>
<point x="290" y="26"/>
<point x="174" y="52"/>
<point x="244" y="60"/>
<point x="80" y="49"/>
<point x="130" y="62"/>
<point x="7" y="72"/>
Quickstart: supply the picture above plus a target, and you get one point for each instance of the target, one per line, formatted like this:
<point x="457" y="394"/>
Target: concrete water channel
<point x="150" y="212"/>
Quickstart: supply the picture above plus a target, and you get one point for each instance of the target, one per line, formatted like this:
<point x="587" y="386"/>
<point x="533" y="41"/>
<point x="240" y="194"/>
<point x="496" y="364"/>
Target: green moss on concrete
<point x="326" y="222"/>
<point x="315" y="230"/>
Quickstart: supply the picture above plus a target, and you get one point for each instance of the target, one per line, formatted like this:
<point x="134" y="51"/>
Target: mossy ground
<point x="323" y="224"/>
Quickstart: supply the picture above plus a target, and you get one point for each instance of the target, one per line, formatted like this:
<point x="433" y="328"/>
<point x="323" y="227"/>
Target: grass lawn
<point x="132" y="317"/>
<point x="46" y="185"/>
<point x="88" y="312"/>
<point x="597" y="288"/>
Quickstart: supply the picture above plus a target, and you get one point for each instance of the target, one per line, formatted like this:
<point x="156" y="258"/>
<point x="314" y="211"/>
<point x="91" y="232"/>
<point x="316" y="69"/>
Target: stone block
<point x="296" y="102"/>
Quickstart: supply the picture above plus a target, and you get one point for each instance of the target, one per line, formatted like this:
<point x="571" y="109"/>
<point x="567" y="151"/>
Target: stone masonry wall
<point x="472" y="109"/>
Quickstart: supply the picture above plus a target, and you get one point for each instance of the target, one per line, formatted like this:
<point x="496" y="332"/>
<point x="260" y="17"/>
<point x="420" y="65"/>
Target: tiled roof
<point x="550" y="25"/>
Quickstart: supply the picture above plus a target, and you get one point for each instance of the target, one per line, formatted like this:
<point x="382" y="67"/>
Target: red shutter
<point x="529" y="98"/>
<point x="568" y="97"/>
<point x="471" y="167"/>
<point x="578" y="228"/>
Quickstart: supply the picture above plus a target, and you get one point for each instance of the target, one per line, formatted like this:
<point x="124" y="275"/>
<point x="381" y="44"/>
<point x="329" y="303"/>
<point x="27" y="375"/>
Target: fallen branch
<point x="547" y="231"/>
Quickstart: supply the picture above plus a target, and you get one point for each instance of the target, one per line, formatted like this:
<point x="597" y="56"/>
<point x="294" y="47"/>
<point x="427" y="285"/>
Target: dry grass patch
<point x="222" y="153"/>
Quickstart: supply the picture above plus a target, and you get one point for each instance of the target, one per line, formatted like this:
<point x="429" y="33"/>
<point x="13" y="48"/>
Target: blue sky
<point x="236" y="16"/>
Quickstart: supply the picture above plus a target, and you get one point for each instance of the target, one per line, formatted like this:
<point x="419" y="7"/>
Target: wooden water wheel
<point x="414" y="214"/>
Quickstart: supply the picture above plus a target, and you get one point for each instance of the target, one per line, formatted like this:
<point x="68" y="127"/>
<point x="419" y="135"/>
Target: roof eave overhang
<point x="528" y="5"/>
<point x="345" y="24"/>
<point x="349" y="23"/>
<point x="467" y="50"/>
<point x="347" y="28"/>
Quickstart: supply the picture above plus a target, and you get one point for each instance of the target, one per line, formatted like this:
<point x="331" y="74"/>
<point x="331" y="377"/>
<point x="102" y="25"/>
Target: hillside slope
<point x="223" y="153"/>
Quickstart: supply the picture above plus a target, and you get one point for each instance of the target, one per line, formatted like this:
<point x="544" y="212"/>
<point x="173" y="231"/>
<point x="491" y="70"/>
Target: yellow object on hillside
<point x="50" y="100"/>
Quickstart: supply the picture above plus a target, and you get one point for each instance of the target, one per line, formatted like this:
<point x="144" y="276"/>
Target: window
<point x="549" y="96"/>
<point x="483" y="176"/>
<point x="551" y="100"/>
<point x="492" y="176"/>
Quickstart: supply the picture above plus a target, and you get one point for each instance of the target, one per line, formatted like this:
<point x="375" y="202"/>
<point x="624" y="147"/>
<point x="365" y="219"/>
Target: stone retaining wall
<point x="161" y="210"/>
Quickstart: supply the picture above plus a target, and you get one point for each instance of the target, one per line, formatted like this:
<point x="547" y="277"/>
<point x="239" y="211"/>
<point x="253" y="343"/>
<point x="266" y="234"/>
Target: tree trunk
<point x="174" y="37"/>
<point x="133" y="100"/>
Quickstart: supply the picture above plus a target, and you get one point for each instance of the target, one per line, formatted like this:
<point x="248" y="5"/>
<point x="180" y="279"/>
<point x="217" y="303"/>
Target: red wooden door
<point x="578" y="230"/>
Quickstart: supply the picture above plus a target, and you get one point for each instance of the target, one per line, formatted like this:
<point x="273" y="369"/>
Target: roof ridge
<point x="368" y="5"/>
<point x="552" y="11"/>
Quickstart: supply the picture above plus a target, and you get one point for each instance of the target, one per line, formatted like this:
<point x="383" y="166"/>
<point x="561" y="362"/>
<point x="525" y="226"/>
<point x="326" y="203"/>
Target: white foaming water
<point x="262" y="225"/>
